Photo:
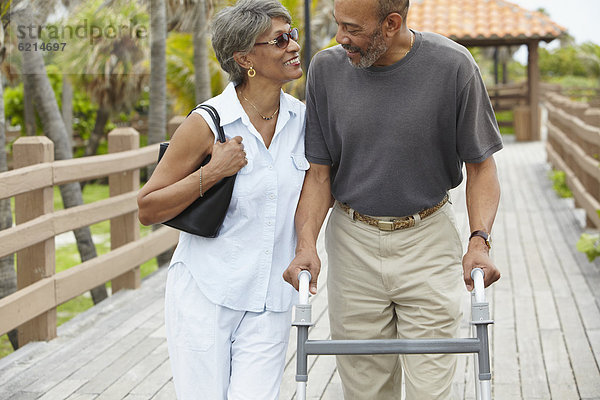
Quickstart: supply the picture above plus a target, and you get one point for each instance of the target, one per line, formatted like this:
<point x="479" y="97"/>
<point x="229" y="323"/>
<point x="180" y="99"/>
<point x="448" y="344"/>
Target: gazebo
<point x="494" y="23"/>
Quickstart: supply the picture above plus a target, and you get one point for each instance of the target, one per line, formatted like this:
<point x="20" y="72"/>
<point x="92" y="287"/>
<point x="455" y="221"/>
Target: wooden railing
<point x="513" y="97"/>
<point x="508" y="96"/>
<point x="588" y="94"/>
<point x="32" y="309"/>
<point x="573" y="146"/>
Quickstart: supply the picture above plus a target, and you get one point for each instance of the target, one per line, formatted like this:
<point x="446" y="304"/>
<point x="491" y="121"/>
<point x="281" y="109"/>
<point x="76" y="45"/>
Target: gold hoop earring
<point x="251" y="72"/>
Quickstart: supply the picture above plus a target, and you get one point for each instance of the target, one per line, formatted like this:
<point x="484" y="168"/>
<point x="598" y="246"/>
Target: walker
<point x="479" y="345"/>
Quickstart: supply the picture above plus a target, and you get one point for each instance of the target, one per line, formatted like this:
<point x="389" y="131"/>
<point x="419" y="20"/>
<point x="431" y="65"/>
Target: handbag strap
<point x="215" y="117"/>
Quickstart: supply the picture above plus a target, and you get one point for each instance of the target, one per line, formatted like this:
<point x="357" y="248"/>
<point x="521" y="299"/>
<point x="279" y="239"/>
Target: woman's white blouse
<point x="242" y="267"/>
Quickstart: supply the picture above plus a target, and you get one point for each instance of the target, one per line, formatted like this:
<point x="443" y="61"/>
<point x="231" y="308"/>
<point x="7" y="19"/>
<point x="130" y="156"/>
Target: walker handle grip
<point x="304" y="278"/>
<point x="478" y="286"/>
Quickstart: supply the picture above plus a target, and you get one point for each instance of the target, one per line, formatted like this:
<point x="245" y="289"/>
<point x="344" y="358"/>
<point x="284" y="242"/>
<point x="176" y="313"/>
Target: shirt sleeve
<point x="478" y="136"/>
<point x="315" y="145"/>
<point x="204" y="114"/>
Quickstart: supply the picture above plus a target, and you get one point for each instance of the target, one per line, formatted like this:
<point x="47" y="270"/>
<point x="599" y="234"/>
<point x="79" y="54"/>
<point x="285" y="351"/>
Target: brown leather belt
<point x="395" y="224"/>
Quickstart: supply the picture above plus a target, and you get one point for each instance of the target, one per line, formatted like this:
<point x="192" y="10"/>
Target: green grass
<point x="67" y="256"/>
<point x="505" y="116"/>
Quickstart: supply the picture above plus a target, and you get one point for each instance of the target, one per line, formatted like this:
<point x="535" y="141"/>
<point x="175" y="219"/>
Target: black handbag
<point x="205" y="215"/>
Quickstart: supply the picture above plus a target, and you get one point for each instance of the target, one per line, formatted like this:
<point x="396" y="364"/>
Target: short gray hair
<point x="236" y="28"/>
<point x="386" y="7"/>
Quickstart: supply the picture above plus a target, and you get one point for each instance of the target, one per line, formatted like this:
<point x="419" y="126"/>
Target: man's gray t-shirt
<point x="396" y="137"/>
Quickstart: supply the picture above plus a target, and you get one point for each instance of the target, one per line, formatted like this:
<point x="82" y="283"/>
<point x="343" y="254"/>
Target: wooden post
<point x="533" y="81"/>
<point x="124" y="229"/>
<point x="521" y="123"/>
<point x="36" y="262"/>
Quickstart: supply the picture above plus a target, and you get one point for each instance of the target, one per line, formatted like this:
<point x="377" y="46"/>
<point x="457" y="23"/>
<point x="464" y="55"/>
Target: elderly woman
<point x="227" y="307"/>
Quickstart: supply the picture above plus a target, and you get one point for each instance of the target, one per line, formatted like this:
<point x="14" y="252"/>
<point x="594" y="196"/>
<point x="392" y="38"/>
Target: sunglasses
<point x="283" y="40"/>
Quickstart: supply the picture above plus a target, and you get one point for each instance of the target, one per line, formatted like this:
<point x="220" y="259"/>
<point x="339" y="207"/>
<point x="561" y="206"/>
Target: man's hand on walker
<point x="476" y="257"/>
<point x="304" y="260"/>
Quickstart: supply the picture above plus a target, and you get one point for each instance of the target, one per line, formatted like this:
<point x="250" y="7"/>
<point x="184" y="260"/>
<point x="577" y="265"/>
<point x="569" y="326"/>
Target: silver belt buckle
<point x="385" y="225"/>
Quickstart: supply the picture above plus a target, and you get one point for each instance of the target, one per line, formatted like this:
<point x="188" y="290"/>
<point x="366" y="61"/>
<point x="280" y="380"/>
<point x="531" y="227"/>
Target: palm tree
<point x="201" y="69"/>
<point x="8" y="276"/>
<point x="157" y="119"/>
<point x="110" y="68"/>
<point x="54" y="128"/>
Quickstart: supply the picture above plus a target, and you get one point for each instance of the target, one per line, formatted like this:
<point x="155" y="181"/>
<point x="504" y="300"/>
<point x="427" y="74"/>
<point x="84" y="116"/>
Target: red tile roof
<point x="475" y="21"/>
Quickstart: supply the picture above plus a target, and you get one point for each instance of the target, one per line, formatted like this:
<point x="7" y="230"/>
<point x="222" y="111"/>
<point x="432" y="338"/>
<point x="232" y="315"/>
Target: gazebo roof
<point x="482" y="22"/>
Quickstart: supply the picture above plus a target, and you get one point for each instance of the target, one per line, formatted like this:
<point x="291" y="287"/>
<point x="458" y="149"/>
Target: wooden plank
<point x="92" y="350"/>
<point x="36" y="262"/>
<point x="582" y="358"/>
<point x="63" y="389"/>
<point x="26" y="234"/>
<point x="96" y="366"/>
<point x="87" y="168"/>
<point x="585" y="162"/>
<point x="582" y="361"/>
<point x="15" y="363"/>
<point x="587" y="201"/>
<point x="533" y="83"/>
<point x="321" y="373"/>
<point x="25" y="179"/>
<point x="18" y="307"/>
<point x="83" y="277"/>
<point x="138" y="374"/>
<point x="49" y="225"/>
<point x="24" y="396"/>
<point x="86" y="341"/>
<point x="25" y="304"/>
<point x="135" y="397"/>
<point x="92" y="213"/>
<point x="334" y="390"/>
<point x="78" y="396"/>
<point x="155" y="381"/>
<point x="533" y="377"/>
<point x="561" y="383"/>
<point x="125" y="228"/>
<point x="108" y="381"/>
<point x="575" y="125"/>
<point x="505" y="363"/>
<point x="167" y="392"/>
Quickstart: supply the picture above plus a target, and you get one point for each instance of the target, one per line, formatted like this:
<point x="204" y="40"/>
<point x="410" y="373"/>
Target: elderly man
<point x="392" y="116"/>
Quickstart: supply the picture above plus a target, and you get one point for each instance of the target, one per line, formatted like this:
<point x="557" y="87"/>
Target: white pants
<point x="219" y="353"/>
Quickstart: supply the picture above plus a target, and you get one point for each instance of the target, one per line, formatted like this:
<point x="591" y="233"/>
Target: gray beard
<point x="375" y="50"/>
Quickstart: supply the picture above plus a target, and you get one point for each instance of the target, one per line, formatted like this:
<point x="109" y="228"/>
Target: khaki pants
<point x="403" y="284"/>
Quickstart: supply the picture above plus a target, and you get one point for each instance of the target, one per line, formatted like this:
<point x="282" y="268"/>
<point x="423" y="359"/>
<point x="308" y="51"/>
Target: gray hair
<point x="386" y="7"/>
<point x="236" y="28"/>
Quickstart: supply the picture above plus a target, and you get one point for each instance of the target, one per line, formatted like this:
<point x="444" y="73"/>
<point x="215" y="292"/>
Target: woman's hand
<point x="226" y="158"/>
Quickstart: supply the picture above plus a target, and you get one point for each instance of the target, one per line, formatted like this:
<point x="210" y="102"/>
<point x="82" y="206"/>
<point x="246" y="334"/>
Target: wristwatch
<point x="484" y="235"/>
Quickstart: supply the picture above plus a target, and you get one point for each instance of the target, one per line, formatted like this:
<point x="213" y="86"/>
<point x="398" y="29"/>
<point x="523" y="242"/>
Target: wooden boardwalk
<point x="545" y="343"/>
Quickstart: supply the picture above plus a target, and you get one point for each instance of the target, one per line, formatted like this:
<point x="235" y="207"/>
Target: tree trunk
<point x="67" y="107"/>
<point x="54" y="128"/>
<point x="201" y="70"/>
<point x="8" y="275"/>
<point x="28" y="95"/>
<point x="157" y="118"/>
<point x="98" y="133"/>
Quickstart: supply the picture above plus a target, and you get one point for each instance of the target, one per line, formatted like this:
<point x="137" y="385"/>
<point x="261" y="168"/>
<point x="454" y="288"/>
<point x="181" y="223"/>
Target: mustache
<point x="352" y="48"/>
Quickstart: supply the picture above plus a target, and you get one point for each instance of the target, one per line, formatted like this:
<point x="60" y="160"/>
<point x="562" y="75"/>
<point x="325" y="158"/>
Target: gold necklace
<point x="412" y="39"/>
<point x="262" y="116"/>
